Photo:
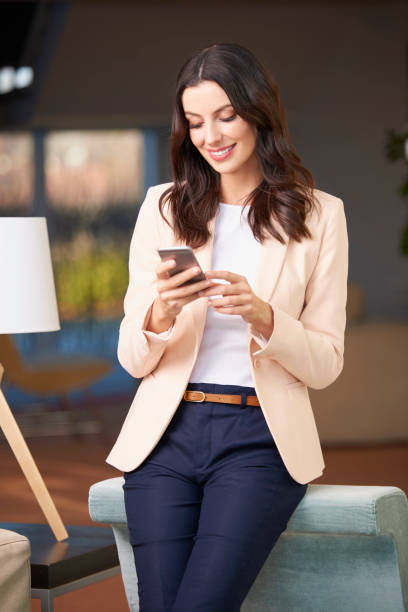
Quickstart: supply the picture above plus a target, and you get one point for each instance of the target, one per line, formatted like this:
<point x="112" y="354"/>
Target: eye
<point x="230" y="118"/>
<point x="194" y="126"/>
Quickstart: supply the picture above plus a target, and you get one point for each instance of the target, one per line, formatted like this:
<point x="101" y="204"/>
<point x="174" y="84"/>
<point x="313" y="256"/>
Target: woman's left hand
<point x="239" y="299"/>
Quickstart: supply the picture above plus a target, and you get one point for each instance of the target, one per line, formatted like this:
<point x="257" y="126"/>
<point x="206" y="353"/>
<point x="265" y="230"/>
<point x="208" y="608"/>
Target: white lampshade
<point x="27" y="292"/>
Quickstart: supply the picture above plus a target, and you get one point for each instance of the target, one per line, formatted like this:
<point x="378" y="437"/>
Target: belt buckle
<point x="199" y="400"/>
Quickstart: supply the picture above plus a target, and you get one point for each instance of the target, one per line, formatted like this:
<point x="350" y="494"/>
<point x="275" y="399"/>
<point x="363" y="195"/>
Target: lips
<point x="219" y="154"/>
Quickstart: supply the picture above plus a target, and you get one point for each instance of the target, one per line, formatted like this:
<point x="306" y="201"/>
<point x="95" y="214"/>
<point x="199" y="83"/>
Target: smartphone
<point x="184" y="258"/>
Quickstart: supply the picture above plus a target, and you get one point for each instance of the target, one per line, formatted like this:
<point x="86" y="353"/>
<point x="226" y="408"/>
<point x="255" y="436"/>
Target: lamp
<point x="27" y="304"/>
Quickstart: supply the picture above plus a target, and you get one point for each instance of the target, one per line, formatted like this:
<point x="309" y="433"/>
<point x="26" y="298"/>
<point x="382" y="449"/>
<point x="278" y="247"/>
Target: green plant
<point x="91" y="279"/>
<point x="396" y="149"/>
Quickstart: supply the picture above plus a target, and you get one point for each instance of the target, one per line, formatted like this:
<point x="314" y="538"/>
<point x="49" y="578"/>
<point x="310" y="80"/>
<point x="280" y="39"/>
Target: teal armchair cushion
<point x="344" y="549"/>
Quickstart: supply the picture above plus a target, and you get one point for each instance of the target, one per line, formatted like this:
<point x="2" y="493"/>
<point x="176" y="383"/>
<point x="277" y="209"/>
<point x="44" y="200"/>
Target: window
<point x="16" y="172"/>
<point x="93" y="169"/>
<point x="94" y="182"/>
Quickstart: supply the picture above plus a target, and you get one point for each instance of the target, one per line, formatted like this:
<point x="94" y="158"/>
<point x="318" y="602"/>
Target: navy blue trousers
<point x="207" y="505"/>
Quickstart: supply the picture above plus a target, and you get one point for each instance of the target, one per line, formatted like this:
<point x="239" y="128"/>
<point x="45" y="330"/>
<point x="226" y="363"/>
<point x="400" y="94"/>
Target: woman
<point x="220" y="441"/>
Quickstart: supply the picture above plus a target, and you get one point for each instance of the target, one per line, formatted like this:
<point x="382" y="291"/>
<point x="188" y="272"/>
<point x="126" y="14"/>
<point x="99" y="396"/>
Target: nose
<point x="212" y="134"/>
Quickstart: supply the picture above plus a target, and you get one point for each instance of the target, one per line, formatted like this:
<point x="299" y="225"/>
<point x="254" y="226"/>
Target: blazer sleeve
<point x="312" y="346"/>
<point x="139" y="351"/>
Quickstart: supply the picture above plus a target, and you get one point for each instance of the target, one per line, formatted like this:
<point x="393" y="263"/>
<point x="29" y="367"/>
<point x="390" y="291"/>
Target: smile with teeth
<point x="221" y="153"/>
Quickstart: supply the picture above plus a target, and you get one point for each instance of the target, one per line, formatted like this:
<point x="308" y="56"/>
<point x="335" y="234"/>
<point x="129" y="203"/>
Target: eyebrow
<point x="216" y="111"/>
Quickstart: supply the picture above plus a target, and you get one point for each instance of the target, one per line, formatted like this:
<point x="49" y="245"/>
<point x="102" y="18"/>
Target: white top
<point x="223" y="355"/>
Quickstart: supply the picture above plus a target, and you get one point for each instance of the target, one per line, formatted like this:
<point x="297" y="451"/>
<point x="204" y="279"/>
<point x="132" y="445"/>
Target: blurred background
<point x="86" y="93"/>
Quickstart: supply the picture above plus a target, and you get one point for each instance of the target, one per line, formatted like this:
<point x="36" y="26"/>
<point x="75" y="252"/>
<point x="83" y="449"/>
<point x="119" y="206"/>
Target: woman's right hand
<point x="172" y="297"/>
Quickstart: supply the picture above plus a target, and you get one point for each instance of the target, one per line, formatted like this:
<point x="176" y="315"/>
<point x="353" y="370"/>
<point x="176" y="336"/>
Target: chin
<point x="224" y="167"/>
<point x="233" y="169"/>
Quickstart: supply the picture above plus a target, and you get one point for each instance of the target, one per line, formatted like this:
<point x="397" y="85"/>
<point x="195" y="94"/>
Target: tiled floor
<point x="70" y="465"/>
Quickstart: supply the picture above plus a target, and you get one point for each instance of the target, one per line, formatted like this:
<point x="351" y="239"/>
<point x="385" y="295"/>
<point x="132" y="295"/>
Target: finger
<point x="163" y="268"/>
<point x="179" y="293"/>
<point x="224" y="275"/>
<point x="214" y="289"/>
<point x="189" y="299"/>
<point x="178" y="279"/>
<point x="230" y="289"/>
<point x="178" y="304"/>
<point x="230" y="300"/>
<point x="239" y="288"/>
<point x="232" y="310"/>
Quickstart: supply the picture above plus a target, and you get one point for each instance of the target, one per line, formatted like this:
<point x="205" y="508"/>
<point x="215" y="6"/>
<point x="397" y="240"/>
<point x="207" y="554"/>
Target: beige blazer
<point x="306" y="284"/>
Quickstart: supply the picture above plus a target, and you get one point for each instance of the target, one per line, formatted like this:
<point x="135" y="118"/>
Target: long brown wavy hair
<point x="286" y="190"/>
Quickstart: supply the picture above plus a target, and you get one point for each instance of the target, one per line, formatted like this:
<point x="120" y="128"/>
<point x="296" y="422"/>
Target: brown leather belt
<point x="200" y="396"/>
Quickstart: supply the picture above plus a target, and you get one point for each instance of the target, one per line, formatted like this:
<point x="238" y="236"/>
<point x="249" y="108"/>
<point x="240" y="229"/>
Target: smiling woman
<point x="229" y="122"/>
<point x="209" y="489"/>
<point x="220" y="134"/>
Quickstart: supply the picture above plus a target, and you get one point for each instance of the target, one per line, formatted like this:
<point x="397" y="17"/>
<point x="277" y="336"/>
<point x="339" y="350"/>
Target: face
<point x="224" y="139"/>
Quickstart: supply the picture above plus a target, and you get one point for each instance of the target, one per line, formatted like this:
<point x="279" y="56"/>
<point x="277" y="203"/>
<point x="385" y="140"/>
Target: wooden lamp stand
<point x="25" y="459"/>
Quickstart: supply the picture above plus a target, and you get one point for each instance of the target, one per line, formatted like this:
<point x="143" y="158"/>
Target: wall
<point x="342" y="71"/>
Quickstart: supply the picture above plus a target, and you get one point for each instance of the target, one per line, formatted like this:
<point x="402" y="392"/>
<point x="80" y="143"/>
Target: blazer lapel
<point x="270" y="262"/>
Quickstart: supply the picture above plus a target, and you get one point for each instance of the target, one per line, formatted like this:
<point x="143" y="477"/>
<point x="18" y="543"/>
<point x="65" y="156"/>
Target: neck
<point x="234" y="188"/>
